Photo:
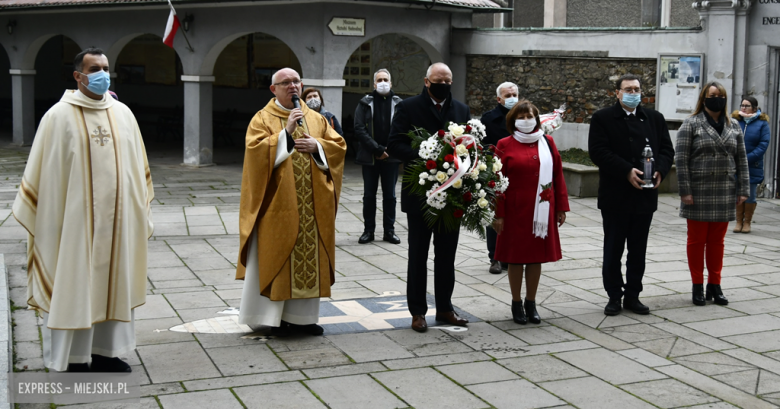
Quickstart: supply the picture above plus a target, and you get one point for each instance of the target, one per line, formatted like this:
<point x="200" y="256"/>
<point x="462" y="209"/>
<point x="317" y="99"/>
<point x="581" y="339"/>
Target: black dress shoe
<point x="366" y="237"/>
<point x="390" y="237"/>
<point x="78" y="368"/>
<point x="634" y="305"/>
<point x="310" y="329"/>
<point x="698" y="294"/>
<point x="283" y="330"/>
<point x="495" y="267"/>
<point x="613" y="307"/>
<point x="419" y="324"/>
<point x="105" y="364"/>
<point x="714" y="292"/>
<point x="518" y="313"/>
<point x="530" y="311"/>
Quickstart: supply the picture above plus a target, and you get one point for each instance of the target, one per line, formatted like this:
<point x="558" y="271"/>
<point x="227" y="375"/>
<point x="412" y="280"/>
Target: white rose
<point x="433" y="171"/>
<point x="475" y="174"/>
<point x="450" y="172"/>
<point x="458" y="184"/>
<point x="422" y="181"/>
<point x="456" y="130"/>
<point x="424" y="175"/>
<point x="482" y="193"/>
<point x="461" y="150"/>
<point x="441" y="177"/>
<point x="482" y="202"/>
<point x="445" y="165"/>
<point x="482" y="166"/>
<point x="478" y="186"/>
<point x="431" y="178"/>
<point x="497" y="167"/>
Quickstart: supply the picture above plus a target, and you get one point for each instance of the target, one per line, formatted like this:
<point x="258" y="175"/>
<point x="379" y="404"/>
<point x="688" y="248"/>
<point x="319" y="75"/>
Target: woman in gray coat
<point x="712" y="174"/>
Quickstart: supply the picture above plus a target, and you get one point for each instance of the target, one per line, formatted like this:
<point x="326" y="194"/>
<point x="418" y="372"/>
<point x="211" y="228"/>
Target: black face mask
<point x="439" y="91"/>
<point x="715" y="104"/>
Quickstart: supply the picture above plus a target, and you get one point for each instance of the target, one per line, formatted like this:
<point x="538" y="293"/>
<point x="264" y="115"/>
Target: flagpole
<point x="187" y="40"/>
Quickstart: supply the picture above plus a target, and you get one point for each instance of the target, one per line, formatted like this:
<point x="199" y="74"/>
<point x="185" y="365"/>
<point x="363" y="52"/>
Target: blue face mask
<point x="98" y="82"/>
<point x="510" y="102"/>
<point x="632" y="100"/>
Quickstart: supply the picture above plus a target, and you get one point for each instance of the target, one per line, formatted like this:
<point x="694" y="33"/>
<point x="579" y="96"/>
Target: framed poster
<point x="678" y="83"/>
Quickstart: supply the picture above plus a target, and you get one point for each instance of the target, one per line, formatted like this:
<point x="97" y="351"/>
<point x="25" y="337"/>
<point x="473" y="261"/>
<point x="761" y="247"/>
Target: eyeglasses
<point x="631" y="90"/>
<point x="287" y="83"/>
<point x="746" y="106"/>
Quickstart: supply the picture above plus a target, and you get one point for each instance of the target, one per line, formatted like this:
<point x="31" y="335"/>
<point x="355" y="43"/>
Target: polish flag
<point x="171" y="27"/>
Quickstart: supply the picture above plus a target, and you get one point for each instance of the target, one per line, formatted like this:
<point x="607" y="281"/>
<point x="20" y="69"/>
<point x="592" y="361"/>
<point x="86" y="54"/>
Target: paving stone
<point x="695" y="313"/>
<point x="610" y="366"/>
<point x="736" y="326"/>
<point x="593" y="393"/>
<point x="541" y="368"/>
<point x="243" y="380"/>
<point x="436" y="360"/>
<point x="638" y="332"/>
<point x="245" y="359"/>
<point x="543" y="335"/>
<point x="170" y="273"/>
<point x="207" y="263"/>
<point x="714" y="363"/>
<point x="163" y="259"/>
<point x="221" y="398"/>
<point x="161" y="389"/>
<point x="669" y="393"/>
<point x="288" y="395"/>
<point x="746" y="381"/>
<point x="369" y="346"/>
<point x="542" y="349"/>
<point x="178" y="361"/>
<point x="299" y="343"/>
<point x="755" y="359"/>
<point x="768" y="383"/>
<point x="155" y="331"/>
<point x="602" y="338"/>
<point x="693" y="336"/>
<point x="340" y="393"/>
<point x="312" y="358"/>
<point x="645" y="358"/>
<point x="439" y="392"/>
<point x="344" y="370"/>
<point x="201" y="299"/>
<point x="166" y="285"/>
<point x="713" y="387"/>
<point x="758" y="342"/>
<point x="483" y="336"/>
<point x="476" y="372"/>
<point x="683" y="347"/>
<point x="515" y="394"/>
<point x="439" y="349"/>
<point x="156" y="307"/>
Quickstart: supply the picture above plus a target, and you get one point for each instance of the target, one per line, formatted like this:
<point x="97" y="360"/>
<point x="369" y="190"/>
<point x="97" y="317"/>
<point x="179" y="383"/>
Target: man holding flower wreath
<point x="432" y="110"/>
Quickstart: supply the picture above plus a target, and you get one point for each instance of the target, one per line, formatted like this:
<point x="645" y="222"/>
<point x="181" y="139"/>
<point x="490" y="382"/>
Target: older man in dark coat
<point x="617" y="138"/>
<point x="432" y="110"/>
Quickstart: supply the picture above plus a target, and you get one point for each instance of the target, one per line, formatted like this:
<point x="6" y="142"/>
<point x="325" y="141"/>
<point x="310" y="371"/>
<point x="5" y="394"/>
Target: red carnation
<point x="467" y="197"/>
<point x="468" y="128"/>
<point x="449" y="158"/>
<point x="431" y="164"/>
<point x="458" y="213"/>
<point x="471" y="145"/>
<point x="479" y="147"/>
<point x="546" y="195"/>
<point x="492" y="184"/>
<point x="440" y="133"/>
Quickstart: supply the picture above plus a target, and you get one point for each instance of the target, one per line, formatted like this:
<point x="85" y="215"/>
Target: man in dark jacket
<point x="373" y="117"/>
<point x="432" y="110"/>
<point x="618" y="136"/>
<point x="495" y="129"/>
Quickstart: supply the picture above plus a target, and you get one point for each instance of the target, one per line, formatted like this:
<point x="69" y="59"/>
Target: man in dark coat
<point x="495" y="129"/>
<point x="432" y="110"/>
<point x="617" y="138"/>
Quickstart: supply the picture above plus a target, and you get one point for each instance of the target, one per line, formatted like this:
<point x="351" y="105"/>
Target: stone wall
<point x="585" y="84"/>
<point x="528" y="13"/>
<point x="604" y="13"/>
<point x="683" y="15"/>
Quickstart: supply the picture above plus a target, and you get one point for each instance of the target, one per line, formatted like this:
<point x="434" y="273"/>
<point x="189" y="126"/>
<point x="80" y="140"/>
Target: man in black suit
<point x="432" y="110"/>
<point x="495" y="130"/>
<point x="617" y="138"/>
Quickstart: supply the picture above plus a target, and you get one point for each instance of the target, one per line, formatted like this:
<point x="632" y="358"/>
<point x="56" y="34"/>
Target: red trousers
<point x="706" y="238"/>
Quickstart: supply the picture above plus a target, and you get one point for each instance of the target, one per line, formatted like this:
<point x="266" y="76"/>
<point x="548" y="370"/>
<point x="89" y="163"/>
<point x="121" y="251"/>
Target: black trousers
<point x="491" y="237"/>
<point x="388" y="174"/>
<point x="621" y="230"/>
<point x="445" y="244"/>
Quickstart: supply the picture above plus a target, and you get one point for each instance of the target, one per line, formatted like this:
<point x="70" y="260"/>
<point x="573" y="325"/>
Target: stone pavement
<point x="679" y="356"/>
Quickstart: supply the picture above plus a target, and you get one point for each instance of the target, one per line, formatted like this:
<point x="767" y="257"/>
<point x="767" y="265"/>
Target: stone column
<point x="198" y="137"/>
<point x="721" y="20"/>
<point x="23" y="100"/>
<point x="457" y="64"/>
<point x="332" y="92"/>
<point x="555" y="13"/>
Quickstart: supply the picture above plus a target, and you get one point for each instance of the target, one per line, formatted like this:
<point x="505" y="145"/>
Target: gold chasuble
<point x="293" y="207"/>
<point x="85" y="202"/>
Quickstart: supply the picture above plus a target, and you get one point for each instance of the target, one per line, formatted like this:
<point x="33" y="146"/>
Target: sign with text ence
<point x="348" y="26"/>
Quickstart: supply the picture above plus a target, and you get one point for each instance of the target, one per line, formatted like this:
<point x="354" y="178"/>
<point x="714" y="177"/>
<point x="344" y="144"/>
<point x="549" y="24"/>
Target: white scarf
<point x="541" y="210"/>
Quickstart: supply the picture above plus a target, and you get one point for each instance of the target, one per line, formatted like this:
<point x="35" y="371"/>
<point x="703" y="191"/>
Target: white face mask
<point x="314" y="103"/>
<point x="383" y="87"/>
<point x="525" y="125"/>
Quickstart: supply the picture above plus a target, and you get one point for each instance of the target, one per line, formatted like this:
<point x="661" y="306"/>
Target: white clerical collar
<point x="281" y="106"/>
<point x="629" y="113"/>
<point x="435" y="102"/>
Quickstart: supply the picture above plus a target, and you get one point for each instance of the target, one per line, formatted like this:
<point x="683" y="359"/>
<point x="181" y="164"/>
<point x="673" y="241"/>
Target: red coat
<point x="517" y="243"/>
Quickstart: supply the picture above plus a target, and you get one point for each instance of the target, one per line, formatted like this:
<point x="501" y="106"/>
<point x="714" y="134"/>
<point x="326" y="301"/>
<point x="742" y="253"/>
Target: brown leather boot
<point x="740" y="215"/>
<point x="749" y="209"/>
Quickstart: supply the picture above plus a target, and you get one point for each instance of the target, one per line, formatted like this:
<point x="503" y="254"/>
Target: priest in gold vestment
<point x="289" y="196"/>
<point x="84" y="200"/>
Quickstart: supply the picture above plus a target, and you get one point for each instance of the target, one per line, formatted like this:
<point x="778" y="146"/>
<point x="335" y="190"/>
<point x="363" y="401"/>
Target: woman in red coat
<point x="533" y="207"/>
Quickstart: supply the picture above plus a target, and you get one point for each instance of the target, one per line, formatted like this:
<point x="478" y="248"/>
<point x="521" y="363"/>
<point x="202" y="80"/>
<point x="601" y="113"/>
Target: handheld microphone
<point x="297" y="104"/>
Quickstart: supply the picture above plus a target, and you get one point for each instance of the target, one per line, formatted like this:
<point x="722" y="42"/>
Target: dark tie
<point x="438" y="107"/>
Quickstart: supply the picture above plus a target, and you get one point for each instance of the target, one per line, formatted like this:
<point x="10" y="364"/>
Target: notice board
<point x="679" y="81"/>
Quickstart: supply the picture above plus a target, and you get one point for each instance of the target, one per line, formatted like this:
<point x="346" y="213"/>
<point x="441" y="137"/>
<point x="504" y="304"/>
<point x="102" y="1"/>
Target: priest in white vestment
<point x="85" y="201"/>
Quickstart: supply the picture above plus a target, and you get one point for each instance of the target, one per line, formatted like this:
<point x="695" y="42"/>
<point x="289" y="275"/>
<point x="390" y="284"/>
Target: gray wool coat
<point x="711" y="167"/>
